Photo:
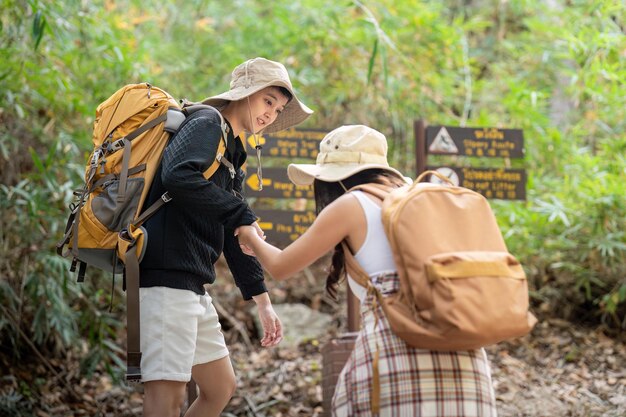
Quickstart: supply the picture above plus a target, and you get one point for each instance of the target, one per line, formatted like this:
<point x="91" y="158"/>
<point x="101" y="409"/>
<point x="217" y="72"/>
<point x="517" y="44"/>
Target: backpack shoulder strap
<point x="222" y="146"/>
<point x="377" y="190"/>
<point x="352" y="266"/>
<point x="360" y="276"/>
<point x="355" y="270"/>
<point x="221" y="151"/>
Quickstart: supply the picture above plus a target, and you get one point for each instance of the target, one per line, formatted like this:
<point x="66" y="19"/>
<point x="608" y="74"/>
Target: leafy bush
<point x="573" y="242"/>
<point x="50" y="83"/>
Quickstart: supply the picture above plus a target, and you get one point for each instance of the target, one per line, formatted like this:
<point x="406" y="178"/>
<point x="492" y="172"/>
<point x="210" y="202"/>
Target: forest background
<point x="554" y="68"/>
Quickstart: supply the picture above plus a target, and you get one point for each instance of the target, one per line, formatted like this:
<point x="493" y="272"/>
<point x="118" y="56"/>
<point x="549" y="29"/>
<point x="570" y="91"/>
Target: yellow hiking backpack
<point x="131" y="131"/>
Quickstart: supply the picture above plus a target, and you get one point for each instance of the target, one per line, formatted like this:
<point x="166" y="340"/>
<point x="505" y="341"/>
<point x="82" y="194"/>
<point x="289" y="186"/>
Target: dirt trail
<point x="560" y="369"/>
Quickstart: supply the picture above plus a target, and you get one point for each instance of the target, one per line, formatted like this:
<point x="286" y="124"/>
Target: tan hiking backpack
<point x="131" y="131"/>
<point x="460" y="288"/>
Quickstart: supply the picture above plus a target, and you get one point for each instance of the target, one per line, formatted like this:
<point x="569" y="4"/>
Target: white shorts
<point x="179" y="329"/>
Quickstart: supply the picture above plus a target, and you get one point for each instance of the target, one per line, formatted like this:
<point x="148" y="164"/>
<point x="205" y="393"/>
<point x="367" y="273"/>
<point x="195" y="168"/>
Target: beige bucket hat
<point x="255" y="75"/>
<point x="343" y="152"/>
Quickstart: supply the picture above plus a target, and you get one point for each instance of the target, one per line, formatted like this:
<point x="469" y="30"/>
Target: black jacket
<point x="188" y="234"/>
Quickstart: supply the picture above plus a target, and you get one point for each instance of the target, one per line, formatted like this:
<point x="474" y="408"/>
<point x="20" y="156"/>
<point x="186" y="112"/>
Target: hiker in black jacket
<point x="180" y="331"/>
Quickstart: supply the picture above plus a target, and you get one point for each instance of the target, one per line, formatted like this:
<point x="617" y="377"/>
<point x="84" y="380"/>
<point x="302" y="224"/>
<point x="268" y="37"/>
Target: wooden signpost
<point x="498" y="183"/>
<point x="276" y="184"/>
<point x="480" y="142"/>
<point x="291" y="143"/>
<point x="471" y="141"/>
<point x="284" y="226"/>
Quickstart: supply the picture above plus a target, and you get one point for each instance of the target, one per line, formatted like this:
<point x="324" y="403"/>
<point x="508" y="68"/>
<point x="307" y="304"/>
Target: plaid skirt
<point x="413" y="382"/>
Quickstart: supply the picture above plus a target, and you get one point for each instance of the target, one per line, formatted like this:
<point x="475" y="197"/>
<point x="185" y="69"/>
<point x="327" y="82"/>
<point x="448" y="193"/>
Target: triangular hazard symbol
<point x="443" y="143"/>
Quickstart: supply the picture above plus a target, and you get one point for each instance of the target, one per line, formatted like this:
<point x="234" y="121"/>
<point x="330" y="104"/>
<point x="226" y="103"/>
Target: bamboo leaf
<point x="370" y="66"/>
<point x="39" y="26"/>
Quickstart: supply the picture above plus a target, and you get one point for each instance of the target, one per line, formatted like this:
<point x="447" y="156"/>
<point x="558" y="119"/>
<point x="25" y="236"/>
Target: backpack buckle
<point x="231" y="168"/>
<point x="166" y="198"/>
<point x="117" y="145"/>
<point x="133" y="375"/>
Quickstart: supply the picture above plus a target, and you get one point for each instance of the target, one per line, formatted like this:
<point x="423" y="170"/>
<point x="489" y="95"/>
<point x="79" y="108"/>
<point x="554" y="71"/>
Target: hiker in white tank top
<point x="412" y="382"/>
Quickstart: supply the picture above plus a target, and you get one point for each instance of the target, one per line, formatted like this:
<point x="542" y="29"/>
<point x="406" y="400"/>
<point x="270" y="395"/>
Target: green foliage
<point x="47" y="90"/>
<point x="572" y="239"/>
<point x="555" y="71"/>
<point x="13" y="403"/>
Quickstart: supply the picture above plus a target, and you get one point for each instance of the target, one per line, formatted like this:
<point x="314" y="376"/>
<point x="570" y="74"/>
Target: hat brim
<point x="294" y="113"/>
<point x="305" y="174"/>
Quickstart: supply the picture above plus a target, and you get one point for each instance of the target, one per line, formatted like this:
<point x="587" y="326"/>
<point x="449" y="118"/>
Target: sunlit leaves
<point x="554" y="209"/>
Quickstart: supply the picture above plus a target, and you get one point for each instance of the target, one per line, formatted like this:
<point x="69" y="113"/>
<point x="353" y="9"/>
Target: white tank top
<point x="375" y="255"/>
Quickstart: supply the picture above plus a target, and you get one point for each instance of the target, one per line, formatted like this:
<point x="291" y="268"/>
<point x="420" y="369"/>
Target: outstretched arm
<point x="338" y="221"/>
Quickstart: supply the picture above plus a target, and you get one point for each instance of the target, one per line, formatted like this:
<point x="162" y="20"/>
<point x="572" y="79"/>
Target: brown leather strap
<point x="375" y="400"/>
<point x="377" y="190"/>
<point x="121" y="193"/>
<point x="147" y="126"/>
<point x="436" y="174"/>
<point x="165" y="198"/>
<point x="68" y="233"/>
<point x="76" y="222"/>
<point x="112" y="177"/>
<point x="133" y="347"/>
<point x="362" y="278"/>
<point x="354" y="269"/>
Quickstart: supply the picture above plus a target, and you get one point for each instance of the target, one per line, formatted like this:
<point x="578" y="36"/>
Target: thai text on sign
<point x="475" y="141"/>
<point x="499" y="183"/>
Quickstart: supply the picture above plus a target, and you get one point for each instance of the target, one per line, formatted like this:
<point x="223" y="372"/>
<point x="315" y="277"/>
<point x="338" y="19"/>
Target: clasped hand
<point x="245" y="234"/>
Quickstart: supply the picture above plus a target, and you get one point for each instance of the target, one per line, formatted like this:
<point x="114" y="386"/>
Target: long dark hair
<point x="327" y="192"/>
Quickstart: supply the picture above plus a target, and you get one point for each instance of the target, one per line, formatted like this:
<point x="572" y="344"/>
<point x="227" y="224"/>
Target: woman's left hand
<point x="272" y="327"/>
<point x="245" y="234"/>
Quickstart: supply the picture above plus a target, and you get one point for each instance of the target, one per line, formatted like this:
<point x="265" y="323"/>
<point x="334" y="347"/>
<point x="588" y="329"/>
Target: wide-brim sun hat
<point x="255" y="75"/>
<point x="344" y="152"/>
